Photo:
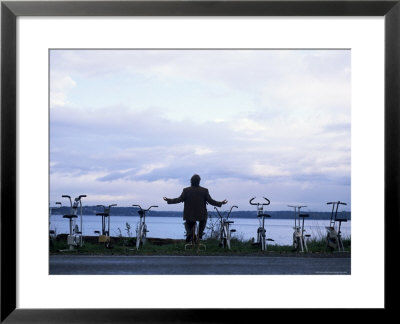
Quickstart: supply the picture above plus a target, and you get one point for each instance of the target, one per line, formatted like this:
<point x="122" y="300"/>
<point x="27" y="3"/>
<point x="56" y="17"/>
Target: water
<point x="280" y="230"/>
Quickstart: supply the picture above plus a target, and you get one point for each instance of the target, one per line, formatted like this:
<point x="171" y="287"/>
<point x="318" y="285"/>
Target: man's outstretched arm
<point x="214" y="202"/>
<point x="174" y="200"/>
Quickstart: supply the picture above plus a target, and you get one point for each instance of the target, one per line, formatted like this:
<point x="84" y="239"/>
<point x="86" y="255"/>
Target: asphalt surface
<point x="197" y="265"/>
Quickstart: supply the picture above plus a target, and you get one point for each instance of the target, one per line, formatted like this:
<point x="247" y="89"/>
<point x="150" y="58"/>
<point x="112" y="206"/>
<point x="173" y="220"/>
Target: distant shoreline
<point x="132" y="212"/>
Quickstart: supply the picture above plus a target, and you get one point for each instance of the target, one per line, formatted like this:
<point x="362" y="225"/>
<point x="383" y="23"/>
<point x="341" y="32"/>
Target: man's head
<point x="195" y="180"/>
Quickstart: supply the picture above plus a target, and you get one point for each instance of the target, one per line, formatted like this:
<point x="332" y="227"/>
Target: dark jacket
<point x="195" y="199"/>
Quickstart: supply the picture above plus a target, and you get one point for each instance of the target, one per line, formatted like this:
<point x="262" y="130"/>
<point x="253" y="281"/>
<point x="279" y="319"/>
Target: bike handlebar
<point x="228" y="213"/>
<point x="218" y="212"/>
<point x="109" y="206"/>
<point x="336" y="202"/>
<point x="76" y="199"/>
<point x="57" y="203"/>
<point x="297" y="206"/>
<point x="144" y="209"/>
<point x="231" y="210"/>
<point x="256" y="204"/>
<point x="80" y="197"/>
<point x="69" y="197"/>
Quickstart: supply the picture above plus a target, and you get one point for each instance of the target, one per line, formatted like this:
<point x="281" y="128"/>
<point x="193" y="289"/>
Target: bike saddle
<point x="265" y="215"/>
<point x="102" y="214"/>
<point x="70" y="216"/>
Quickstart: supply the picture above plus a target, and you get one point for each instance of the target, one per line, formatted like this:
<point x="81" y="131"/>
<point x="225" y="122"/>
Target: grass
<point x="127" y="246"/>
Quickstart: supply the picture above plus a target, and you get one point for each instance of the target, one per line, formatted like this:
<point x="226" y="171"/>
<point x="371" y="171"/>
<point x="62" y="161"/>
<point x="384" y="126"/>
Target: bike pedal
<point x="233" y="230"/>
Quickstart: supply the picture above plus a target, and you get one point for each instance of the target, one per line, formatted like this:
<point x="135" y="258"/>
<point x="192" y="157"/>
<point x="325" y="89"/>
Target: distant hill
<point x="131" y="211"/>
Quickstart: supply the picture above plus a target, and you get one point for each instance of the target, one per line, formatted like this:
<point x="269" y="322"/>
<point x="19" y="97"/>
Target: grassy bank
<point x="126" y="246"/>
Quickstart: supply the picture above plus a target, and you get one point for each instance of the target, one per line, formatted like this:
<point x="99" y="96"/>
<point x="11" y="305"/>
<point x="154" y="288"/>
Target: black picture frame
<point x="10" y="10"/>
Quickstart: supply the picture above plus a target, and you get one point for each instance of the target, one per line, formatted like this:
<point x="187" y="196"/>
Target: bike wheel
<point x="195" y="231"/>
<point x="221" y="239"/>
<point x="225" y="237"/>
<point x="305" y="244"/>
<point x="263" y="243"/>
<point x="259" y="233"/>
<point x="144" y="234"/>
<point x="331" y="242"/>
<point x="138" y="237"/>
<point x="295" y="243"/>
<point x="228" y="238"/>
<point x="222" y="242"/>
<point x="298" y="243"/>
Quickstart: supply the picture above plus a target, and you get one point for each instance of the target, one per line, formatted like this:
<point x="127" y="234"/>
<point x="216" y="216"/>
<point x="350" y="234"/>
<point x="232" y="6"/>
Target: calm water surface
<point x="280" y="230"/>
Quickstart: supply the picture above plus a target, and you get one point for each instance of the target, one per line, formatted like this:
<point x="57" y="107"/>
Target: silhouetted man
<point x="195" y="199"/>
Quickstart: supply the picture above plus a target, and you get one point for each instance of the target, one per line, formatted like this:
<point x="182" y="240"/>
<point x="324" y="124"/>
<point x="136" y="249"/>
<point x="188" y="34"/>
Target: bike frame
<point x="105" y="236"/>
<point x="141" y="228"/>
<point x="333" y="236"/>
<point x="195" y="242"/>
<point x="298" y="234"/>
<point x="105" y="230"/>
<point x="261" y="231"/>
<point x="225" y="232"/>
<point x="75" y="238"/>
<point x="50" y="212"/>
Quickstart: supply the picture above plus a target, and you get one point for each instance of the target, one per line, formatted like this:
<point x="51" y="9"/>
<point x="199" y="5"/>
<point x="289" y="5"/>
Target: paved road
<point x="181" y="265"/>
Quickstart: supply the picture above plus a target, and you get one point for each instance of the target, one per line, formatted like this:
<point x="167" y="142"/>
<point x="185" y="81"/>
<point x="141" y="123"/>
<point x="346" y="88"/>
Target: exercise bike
<point x="52" y="232"/>
<point x="299" y="242"/>
<point x="75" y="238"/>
<point x="194" y="243"/>
<point x="261" y="231"/>
<point x="141" y="227"/>
<point x="224" y="228"/>
<point x="105" y="237"/>
<point x="334" y="235"/>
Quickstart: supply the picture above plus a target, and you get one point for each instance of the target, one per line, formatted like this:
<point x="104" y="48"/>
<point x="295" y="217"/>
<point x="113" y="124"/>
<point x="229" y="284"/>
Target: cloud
<point x="133" y="125"/>
<point x="60" y="84"/>
<point x="158" y="150"/>
<point x="126" y="192"/>
<point x="266" y="170"/>
<point x="273" y="79"/>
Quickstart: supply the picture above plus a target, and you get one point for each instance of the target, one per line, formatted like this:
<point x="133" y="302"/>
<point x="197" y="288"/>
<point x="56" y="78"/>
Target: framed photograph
<point x="297" y="99"/>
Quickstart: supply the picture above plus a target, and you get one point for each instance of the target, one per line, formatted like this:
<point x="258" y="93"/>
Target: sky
<point x="132" y="126"/>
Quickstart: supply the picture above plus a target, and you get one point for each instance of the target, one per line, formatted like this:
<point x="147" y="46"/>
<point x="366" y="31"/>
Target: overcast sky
<point x="131" y="126"/>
